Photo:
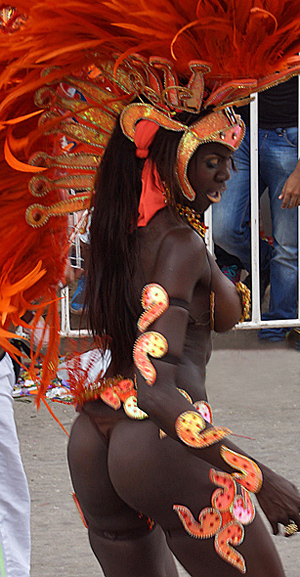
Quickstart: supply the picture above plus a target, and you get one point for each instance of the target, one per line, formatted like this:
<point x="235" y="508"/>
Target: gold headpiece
<point x="157" y="81"/>
<point x="222" y="126"/>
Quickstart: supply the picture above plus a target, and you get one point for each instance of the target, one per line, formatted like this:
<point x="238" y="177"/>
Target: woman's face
<point x="208" y="170"/>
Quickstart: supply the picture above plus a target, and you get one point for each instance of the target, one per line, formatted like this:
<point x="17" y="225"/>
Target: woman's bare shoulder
<point x="184" y="243"/>
<point x="181" y="260"/>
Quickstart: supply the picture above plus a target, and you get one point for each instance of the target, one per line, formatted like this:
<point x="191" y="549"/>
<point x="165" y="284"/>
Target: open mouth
<point x="214" y="196"/>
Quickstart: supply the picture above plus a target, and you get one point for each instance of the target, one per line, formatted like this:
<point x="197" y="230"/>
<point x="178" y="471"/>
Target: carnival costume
<point x="68" y="74"/>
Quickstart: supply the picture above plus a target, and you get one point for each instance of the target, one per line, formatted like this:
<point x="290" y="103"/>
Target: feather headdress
<point x="69" y="68"/>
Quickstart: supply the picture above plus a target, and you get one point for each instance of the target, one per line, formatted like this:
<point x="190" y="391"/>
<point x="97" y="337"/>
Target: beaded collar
<point x="193" y="218"/>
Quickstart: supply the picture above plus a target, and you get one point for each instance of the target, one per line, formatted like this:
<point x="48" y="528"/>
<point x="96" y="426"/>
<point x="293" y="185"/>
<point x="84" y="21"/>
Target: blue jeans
<point x="278" y="156"/>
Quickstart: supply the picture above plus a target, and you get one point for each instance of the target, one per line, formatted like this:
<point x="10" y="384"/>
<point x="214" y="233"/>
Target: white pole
<point x="256" y="317"/>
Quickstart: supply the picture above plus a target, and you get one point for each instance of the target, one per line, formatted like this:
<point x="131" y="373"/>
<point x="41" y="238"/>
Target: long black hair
<point x="111" y="300"/>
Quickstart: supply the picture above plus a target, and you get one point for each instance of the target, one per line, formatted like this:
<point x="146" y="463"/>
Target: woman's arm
<point x="183" y="264"/>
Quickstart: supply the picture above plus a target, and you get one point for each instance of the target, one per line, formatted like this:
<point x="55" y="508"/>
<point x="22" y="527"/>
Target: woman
<point x="145" y="474"/>
<point x="142" y="452"/>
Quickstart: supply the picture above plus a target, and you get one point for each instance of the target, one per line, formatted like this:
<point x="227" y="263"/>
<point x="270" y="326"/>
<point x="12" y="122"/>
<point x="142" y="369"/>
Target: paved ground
<point x="254" y="389"/>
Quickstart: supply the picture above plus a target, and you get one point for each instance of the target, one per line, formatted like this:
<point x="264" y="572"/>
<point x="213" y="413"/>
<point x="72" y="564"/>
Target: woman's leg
<point x="152" y="475"/>
<point x="119" y="536"/>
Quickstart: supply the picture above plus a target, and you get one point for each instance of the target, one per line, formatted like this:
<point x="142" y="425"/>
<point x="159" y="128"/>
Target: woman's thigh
<point x="153" y="474"/>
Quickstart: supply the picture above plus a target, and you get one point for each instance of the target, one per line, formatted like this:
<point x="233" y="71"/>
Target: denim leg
<point x="14" y="494"/>
<point x="232" y="214"/>
<point x="278" y="159"/>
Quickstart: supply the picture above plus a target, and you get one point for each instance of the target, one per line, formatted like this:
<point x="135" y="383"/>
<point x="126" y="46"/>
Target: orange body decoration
<point x="38" y="214"/>
<point x="113" y="392"/>
<point x="224" y="520"/>
<point x="190" y="428"/>
<point x="186" y="395"/>
<point x="250" y="477"/>
<point x="222" y="499"/>
<point x="231" y="534"/>
<point x="208" y="524"/>
<point x="202" y="407"/>
<point x="153" y="344"/>
<point x="155" y="302"/>
<point x="110" y="398"/>
<point x="132" y="410"/>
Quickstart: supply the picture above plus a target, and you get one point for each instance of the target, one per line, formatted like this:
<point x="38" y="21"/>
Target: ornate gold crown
<point x="80" y="114"/>
<point x="157" y="80"/>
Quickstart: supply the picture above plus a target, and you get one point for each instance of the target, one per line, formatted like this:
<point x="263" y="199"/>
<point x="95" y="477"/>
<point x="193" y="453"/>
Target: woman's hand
<point x="279" y="500"/>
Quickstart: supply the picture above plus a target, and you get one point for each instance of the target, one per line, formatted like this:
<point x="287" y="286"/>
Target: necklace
<point x="193" y="218"/>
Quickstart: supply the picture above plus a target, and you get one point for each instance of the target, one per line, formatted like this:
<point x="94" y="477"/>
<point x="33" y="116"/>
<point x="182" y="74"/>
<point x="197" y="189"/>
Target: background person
<point x="279" y="171"/>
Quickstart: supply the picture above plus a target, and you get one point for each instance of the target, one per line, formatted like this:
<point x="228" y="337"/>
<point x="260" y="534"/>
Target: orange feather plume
<point x="249" y="39"/>
<point x="58" y="109"/>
